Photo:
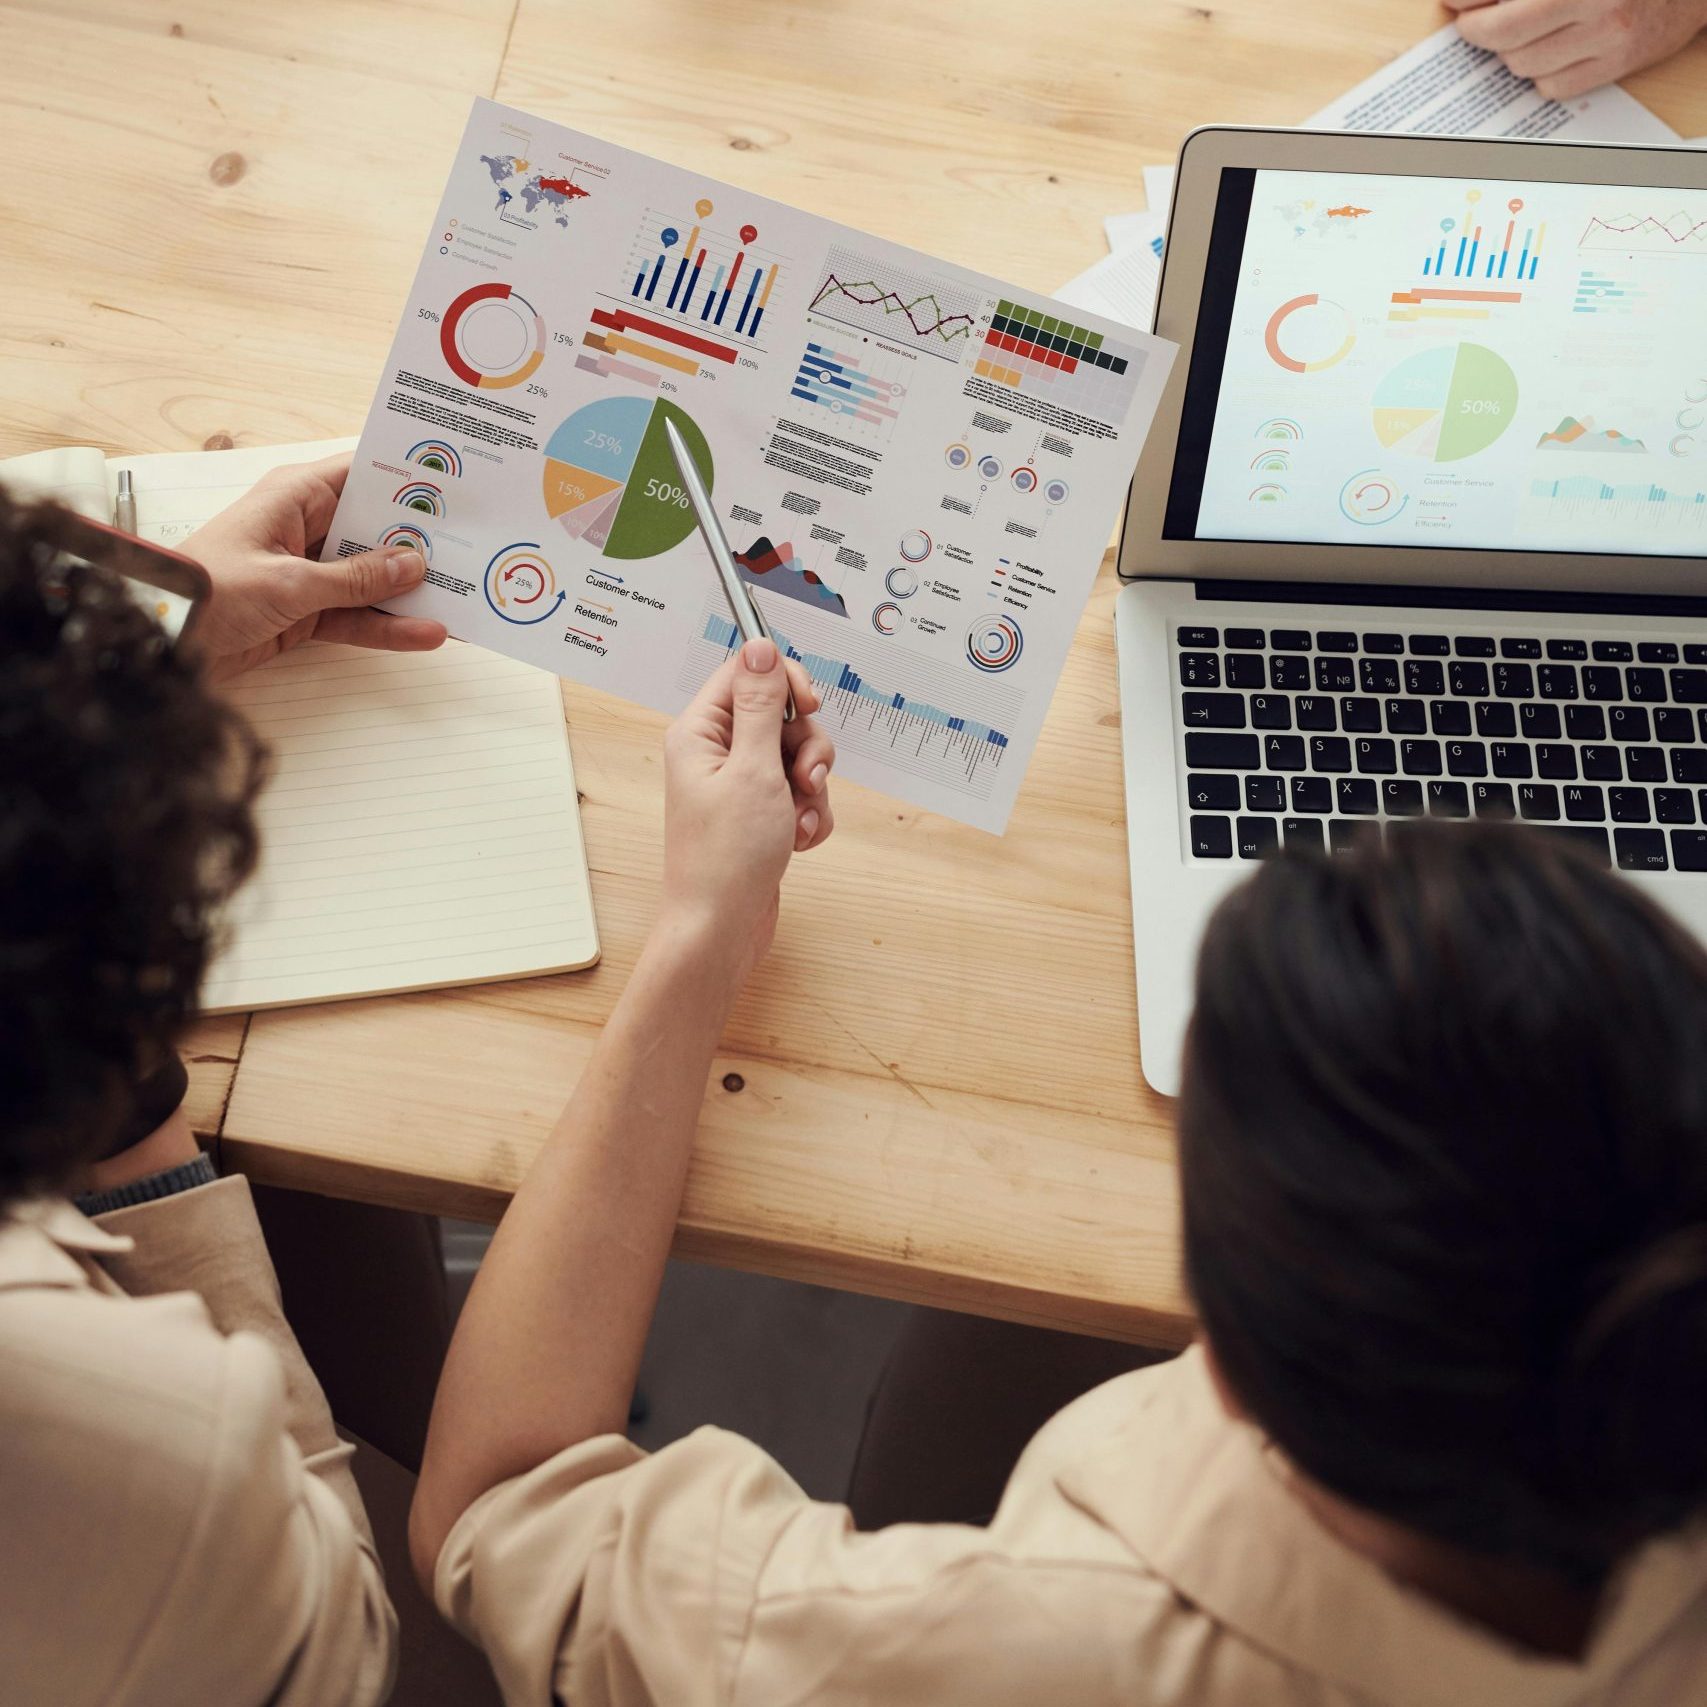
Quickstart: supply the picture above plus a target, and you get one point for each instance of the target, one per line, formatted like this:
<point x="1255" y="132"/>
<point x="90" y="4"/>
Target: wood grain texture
<point x="938" y="1086"/>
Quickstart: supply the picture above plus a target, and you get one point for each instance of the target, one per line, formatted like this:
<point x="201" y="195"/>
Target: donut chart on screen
<point x="611" y="482"/>
<point x="491" y="338"/>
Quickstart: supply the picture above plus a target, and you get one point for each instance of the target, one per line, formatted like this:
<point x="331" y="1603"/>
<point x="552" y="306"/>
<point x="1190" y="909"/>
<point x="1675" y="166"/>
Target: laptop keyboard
<point x="1315" y="737"/>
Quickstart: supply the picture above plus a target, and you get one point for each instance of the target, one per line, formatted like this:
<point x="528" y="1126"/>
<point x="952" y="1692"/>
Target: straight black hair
<point x="1443" y="1141"/>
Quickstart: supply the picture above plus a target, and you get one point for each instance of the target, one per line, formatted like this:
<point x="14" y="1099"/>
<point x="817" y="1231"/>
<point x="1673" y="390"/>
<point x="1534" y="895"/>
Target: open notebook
<point x="421" y="826"/>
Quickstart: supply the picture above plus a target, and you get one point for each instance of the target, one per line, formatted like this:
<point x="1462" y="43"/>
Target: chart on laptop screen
<point x="1474" y="363"/>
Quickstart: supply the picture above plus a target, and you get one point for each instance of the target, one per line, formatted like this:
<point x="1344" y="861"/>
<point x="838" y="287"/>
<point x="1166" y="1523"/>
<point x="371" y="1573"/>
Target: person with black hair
<point x="1443" y="1144"/>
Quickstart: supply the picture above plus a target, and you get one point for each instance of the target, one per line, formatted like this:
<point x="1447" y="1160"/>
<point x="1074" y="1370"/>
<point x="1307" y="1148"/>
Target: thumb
<point x="759" y="694"/>
<point x="365" y="578"/>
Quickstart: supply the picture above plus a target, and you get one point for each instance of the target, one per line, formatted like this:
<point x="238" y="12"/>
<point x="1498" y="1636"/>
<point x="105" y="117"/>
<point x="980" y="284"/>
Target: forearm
<point x="549" y="1342"/>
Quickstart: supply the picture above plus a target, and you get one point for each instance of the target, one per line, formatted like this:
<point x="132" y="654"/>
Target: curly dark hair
<point x="126" y="790"/>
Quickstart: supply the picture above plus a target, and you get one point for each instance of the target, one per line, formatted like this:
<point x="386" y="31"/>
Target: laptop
<point x="1421" y="528"/>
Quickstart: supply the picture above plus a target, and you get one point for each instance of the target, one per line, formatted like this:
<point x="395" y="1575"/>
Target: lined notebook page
<point x="421" y="828"/>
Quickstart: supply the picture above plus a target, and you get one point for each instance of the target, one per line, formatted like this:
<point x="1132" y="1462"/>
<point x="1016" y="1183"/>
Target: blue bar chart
<point x="711" y="277"/>
<point x="847" y="385"/>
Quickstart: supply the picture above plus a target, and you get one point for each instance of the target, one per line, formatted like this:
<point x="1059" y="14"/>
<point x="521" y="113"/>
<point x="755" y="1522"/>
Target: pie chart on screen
<point x="1445" y="404"/>
<point x="491" y="338"/>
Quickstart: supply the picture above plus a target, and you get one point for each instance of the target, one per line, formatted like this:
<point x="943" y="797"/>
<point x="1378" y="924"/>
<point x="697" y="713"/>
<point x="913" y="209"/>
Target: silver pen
<point x="742" y="605"/>
<point x="124" y="505"/>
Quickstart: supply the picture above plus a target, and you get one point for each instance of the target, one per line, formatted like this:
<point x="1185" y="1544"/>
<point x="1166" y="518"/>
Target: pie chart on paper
<point x="611" y="482"/>
<point x="1445" y="404"/>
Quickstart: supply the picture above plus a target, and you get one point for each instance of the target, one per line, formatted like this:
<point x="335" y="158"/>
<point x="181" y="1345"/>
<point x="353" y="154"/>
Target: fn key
<point x="1211" y="838"/>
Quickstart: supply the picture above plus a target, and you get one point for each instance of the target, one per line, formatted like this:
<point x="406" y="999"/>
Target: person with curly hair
<point x="178" y="1519"/>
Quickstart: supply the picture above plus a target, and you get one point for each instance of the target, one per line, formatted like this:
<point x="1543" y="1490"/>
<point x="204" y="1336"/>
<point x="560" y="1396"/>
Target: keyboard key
<point x="1336" y="640"/>
<point x="1689" y="687"/>
<point x="1206" y="752"/>
<point x="1538" y="800"/>
<point x="1674" y="806"/>
<point x="1640" y="850"/>
<point x="1672" y="725"/>
<point x="1689" y="850"/>
<point x="1511" y="758"/>
<point x="1375" y="756"/>
<point x="1271" y="711"/>
<point x="1688" y="766"/>
<point x="1256" y="837"/>
<point x="1645" y="764"/>
<point x="1244" y="671"/>
<point x="1283" y="752"/>
<point x="1557" y="681"/>
<point x="1538" y="721"/>
<point x="1429" y="645"/>
<point x="1567" y="651"/>
<point x="1384" y="643"/>
<point x="1348" y="835"/>
<point x="1448" y="800"/>
<point x="1585" y="723"/>
<point x="1199" y="670"/>
<point x="1612" y="652"/>
<point x="1335" y="675"/>
<point x="1212" y="793"/>
<point x="1514" y="681"/>
<point x="1312" y="794"/>
<point x="1601" y="682"/>
<point x="1493" y="800"/>
<point x="1265" y="794"/>
<point x="1406" y="717"/>
<point x="1211" y="838"/>
<point x="1470" y="758"/>
<point x="1629" y="805"/>
<point x="1449" y="716"/>
<point x="1557" y="763"/>
<point x="1360" y="716"/>
<point x="1628" y="723"/>
<point x="1289" y="639"/>
<point x="1198" y="636"/>
<point x="1378" y="675"/>
<point x="1587" y="839"/>
<point x="1315" y="711"/>
<point x="1695" y="654"/>
<point x="1402" y="799"/>
<point x="1420" y="758"/>
<point x="1584" y="805"/>
<point x="1302" y="833"/>
<point x="1356" y="795"/>
<point x="1646" y="685"/>
<point x="1469" y="681"/>
<point x="1473" y="646"/>
<point x="1510" y="648"/>
<point x="1657" y="652"/>
<point x="1291" y="673"/>
<point x="1425" y="677"/>
<point x="1330" y="753"/>
<point x="1602" y="764"/>
<point x="1245" y="640"/>
<point x="1495" y="719"/>
<point x="1213" y="710"/>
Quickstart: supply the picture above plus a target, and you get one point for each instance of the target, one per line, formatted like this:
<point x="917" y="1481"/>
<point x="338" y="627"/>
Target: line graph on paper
<point x="912" y="309"/>
<point x="1676" y="234"/>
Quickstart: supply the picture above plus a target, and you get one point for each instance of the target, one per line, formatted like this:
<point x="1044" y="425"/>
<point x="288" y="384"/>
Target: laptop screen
<point x="1448" y="362"/>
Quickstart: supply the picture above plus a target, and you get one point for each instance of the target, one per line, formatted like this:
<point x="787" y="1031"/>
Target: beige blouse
<point x="1147" y="1551"/>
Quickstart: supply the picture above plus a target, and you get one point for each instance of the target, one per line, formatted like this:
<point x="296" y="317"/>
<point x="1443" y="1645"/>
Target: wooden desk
<point x="209" y="219"/>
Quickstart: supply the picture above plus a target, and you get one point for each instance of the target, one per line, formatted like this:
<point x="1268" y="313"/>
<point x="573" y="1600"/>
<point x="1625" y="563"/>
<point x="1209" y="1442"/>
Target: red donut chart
<point x="492" y="338"/>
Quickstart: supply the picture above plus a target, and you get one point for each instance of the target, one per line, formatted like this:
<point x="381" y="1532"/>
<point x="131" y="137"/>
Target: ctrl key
<point x="1256" y="838"/>
<point x="1211" y="838"/>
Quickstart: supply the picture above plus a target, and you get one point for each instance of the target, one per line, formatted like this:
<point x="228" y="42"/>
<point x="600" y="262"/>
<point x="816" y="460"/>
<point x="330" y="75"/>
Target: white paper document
<point x="1134" y="230"/>
<point x="918" y="466"/>
<point x="1121" y="287"/>
<point x="1445" y="86"/>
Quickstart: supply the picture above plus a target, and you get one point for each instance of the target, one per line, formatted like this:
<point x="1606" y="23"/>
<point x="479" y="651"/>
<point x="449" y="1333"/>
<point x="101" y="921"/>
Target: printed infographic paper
<point x="918" y="467"/>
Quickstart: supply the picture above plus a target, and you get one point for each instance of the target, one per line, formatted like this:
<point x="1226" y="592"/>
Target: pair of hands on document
<point x="1567" y="47"/>
<point x="743" y="790"/>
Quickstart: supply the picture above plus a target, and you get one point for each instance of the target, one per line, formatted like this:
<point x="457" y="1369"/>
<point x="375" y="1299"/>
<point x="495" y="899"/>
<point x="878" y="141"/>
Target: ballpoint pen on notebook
<point x="742" y="605"/>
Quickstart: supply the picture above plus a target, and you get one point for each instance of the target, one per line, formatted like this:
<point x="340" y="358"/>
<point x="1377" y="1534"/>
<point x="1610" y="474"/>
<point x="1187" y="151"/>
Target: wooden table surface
<point x="209" y="218"/>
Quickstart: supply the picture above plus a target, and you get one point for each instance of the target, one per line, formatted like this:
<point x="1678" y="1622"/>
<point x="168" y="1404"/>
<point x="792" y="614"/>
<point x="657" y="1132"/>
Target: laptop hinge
<point x="1448" y="598"/>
